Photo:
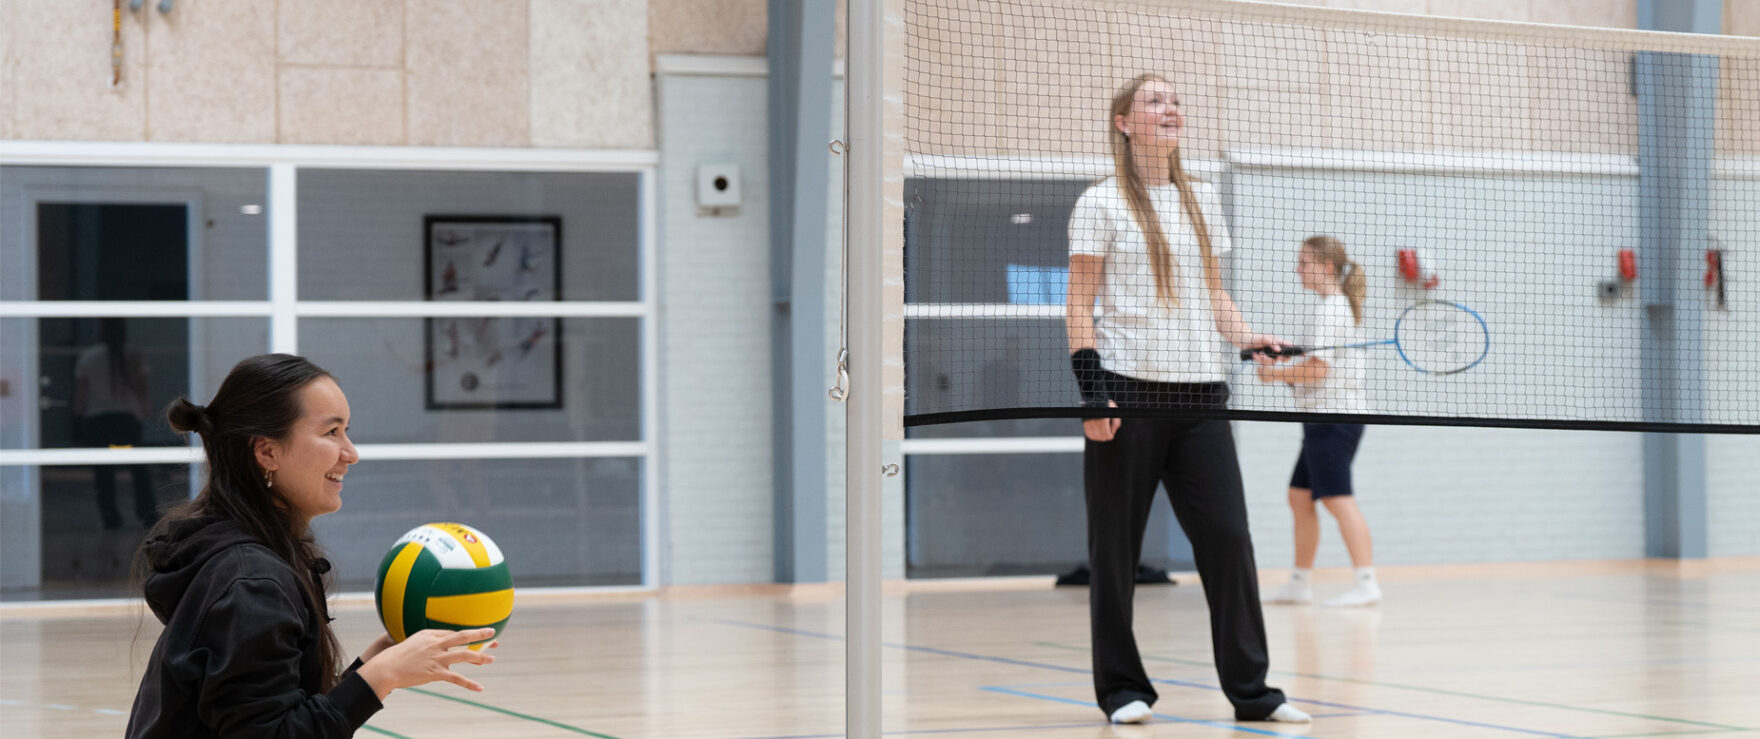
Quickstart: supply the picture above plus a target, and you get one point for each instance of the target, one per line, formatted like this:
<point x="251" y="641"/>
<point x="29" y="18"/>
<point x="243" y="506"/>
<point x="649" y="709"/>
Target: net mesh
<point x="1591" y="196"/>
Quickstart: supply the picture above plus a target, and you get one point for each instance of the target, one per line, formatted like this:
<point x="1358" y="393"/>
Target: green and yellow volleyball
<point x="443" y="576"/>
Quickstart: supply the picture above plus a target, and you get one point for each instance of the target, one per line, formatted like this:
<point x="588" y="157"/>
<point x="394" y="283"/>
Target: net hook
<point x="838" y="392"/>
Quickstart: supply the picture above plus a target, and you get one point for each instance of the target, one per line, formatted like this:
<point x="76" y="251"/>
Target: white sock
<point x="1134" y="712"/>
<point x="1290" y="714"/>
<point x="1305" y="577"/>
<point x="1366" y="574"/>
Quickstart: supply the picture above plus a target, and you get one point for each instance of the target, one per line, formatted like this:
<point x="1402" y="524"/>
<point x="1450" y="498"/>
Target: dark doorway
<point x="102" y="382"/>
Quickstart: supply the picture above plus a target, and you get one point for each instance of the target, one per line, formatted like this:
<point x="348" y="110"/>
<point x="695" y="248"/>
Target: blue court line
<point x="1045" y="727"/>
<point x="1201" y="686"/>
<point x="1164" y="716"/>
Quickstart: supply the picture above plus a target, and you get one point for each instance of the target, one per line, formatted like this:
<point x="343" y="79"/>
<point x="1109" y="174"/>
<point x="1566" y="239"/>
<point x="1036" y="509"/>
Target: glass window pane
<point x="560" y="522"/>
<point x="97" y="382"/>
<point x="988" y="241"/>
<point x="364" y="234"/>
<point x="412" y="380"/>
<point x="71" y="531"/>
<point x="134" y="233"/>
<point x="987" y="363"/>
<point x="970" y="515"/>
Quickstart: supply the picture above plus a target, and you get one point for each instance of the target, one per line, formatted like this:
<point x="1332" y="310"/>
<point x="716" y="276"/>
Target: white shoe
<point x="1289" y="714"/>
<point x="1364" y="593"/>
<point x="1134" y="712"/>
<point x="1292" y="592"/>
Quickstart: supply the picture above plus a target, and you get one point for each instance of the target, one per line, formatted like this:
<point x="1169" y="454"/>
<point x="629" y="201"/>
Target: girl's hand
<point x="426" y="656"/>
<point x="1101" y="429"/>
<point x="1267" y="373"/>
<point x="1271" y="342"/>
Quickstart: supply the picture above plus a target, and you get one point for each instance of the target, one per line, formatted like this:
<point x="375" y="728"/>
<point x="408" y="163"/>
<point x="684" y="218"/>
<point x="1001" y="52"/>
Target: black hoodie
<point x="239" y="656"/>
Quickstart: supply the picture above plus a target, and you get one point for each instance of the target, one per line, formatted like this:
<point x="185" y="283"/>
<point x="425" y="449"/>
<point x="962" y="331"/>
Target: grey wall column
<point x="1677" y="96"/>
<point x="802" y="33"/>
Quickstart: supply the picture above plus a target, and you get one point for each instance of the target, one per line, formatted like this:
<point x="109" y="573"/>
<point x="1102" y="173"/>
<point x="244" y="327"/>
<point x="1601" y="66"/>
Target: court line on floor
<point x="516" y="714"/>
<point x="1083" y="671"/>
<point x="65" y="707"/>
<point x="1434" y="691"/>
<point x="1169" y="717"/>
<point x="917" y="732"/>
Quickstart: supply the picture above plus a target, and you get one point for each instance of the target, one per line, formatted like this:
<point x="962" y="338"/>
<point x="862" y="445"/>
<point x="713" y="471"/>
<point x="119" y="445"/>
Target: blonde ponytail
<point x="1351" y="280"/>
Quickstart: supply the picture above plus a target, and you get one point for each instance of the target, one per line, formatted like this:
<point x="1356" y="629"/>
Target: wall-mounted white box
<point x="718" y="185"/>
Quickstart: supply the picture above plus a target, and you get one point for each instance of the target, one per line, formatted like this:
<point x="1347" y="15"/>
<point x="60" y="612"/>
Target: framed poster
<point x="503" y="361"/>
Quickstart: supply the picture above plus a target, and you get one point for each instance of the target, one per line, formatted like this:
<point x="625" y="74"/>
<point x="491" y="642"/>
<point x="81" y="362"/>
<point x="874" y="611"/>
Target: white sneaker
<point x="1364" y="593"/>
<point x="1289" y="714"/>
<point x="1134" y="712"/>
<point x="1292" y="592"/>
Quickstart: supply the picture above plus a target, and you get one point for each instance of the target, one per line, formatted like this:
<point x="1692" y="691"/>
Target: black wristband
<point x="1090" y="378"/>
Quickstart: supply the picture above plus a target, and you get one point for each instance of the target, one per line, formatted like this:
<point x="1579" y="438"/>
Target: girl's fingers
<point x="455" y="656"/>
<point x="461" y="681"/>
<point x="460" y="638"/>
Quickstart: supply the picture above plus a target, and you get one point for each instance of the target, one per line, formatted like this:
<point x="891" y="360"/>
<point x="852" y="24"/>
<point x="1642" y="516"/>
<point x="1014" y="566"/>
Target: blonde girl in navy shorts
<point x="1332" y="383"/>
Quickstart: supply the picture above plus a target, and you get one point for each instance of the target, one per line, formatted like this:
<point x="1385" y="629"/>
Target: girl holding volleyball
<point x="238" y="580"/>
<point x="1146" y="305"/>
<point x="1329" y="384"/>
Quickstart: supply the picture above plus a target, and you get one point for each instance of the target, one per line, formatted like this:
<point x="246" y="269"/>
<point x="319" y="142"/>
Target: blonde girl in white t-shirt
<point x="1329" y="384"/>
<point x="1146" y="321"/>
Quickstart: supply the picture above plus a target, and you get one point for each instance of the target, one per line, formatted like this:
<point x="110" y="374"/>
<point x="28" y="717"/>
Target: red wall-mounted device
<point x="1413" y="272"/>
<point x="1408" y="265"/>
<point x="1628" y="265"/>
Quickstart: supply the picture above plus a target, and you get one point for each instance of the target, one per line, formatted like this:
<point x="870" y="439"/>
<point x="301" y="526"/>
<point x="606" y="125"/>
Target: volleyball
<point x="443" y="576"/>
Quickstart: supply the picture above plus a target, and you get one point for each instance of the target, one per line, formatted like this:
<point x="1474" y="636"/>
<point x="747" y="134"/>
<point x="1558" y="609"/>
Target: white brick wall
<point x="714" y="276"/>
<point x="1732" y="482"/>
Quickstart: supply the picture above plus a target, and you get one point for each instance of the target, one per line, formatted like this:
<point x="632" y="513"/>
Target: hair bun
<point x="186" y="417"/>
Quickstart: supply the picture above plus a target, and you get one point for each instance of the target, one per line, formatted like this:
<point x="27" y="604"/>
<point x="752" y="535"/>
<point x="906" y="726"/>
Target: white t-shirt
<point x="1342" y="391"/>
<point x="1139" y="334"/>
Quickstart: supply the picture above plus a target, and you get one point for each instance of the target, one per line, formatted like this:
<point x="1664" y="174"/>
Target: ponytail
<point x="1351" y="280"/>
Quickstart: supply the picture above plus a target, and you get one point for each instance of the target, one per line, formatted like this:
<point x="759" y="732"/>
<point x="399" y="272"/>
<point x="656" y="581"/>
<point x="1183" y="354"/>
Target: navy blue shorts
<point x="1324" y="466"/>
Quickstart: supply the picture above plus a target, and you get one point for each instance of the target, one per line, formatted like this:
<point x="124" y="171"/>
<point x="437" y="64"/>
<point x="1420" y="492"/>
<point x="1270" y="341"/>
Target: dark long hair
<point x="258" y="399"/>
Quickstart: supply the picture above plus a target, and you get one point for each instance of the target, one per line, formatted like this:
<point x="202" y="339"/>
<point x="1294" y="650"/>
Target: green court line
<point x="517" y="714"/>
<point x="1438" y="691"/>
<point x="377" y="730"/>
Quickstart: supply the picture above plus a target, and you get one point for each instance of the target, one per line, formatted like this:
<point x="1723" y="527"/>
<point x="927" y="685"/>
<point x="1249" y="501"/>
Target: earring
<point x="269" y="478"/>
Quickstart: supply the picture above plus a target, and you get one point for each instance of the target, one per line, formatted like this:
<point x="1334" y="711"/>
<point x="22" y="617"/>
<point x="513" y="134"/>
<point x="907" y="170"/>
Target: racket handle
<point x="1287" y="351"/>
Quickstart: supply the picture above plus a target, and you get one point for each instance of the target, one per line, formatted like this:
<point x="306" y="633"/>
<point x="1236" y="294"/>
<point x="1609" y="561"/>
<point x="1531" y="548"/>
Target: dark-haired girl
<point x="238" y="580"/>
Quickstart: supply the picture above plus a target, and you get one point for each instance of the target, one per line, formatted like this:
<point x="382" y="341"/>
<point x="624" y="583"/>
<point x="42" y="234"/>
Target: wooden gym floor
<point x="1590" y="649"/>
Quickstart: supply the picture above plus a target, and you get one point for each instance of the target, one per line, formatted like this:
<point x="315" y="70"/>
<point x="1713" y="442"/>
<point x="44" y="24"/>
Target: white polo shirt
<point x="1139" y="334"/>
